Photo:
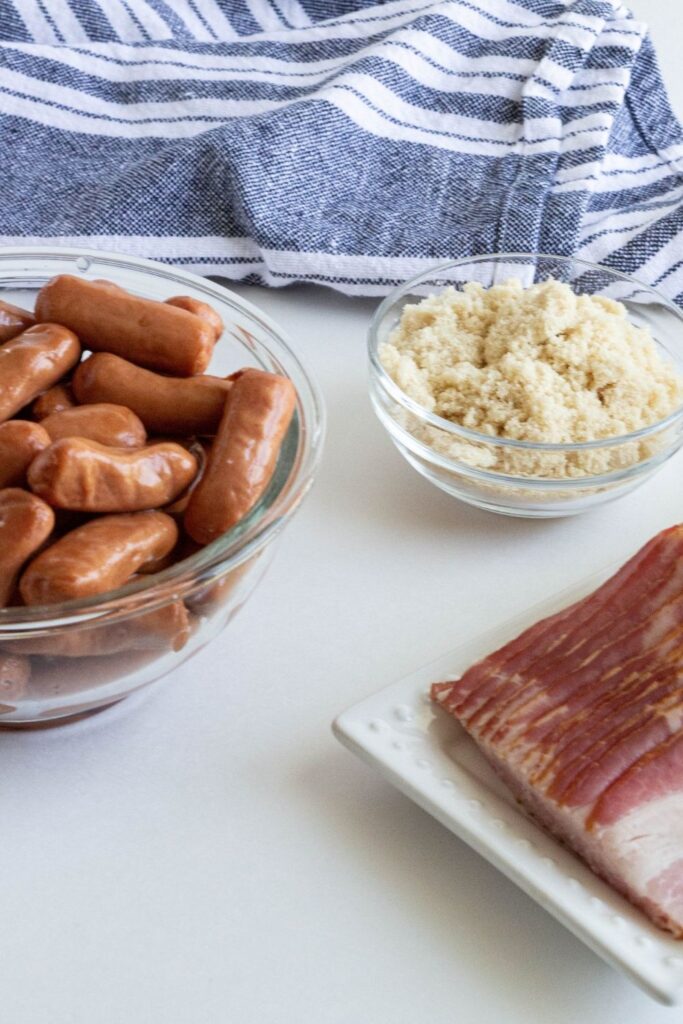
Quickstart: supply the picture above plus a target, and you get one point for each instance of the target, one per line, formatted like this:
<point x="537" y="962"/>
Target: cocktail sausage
<point x="164" y="629"/>
<point x="166" y="405"/>
<point x="55" y="399"/>
<point x="106" y="423"/>
<point x="243" y="455"/>
<point x="84" y="476"/>
<point x="201" y="309"/>
<point x="32" y="362"/>
<point x="20" y="442"/>
<point x="14" y="320"/>
<point x="26" y="522"/>
<point x="98" y="556"/>
<point x="152" y="334"/>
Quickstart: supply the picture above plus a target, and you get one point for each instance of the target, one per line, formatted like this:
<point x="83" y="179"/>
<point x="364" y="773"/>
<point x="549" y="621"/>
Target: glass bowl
<point x="556" y="479"/>
<point x="85" y="655"/>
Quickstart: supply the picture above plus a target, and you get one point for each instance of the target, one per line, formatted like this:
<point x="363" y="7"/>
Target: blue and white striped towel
<point x="339" y="141"/>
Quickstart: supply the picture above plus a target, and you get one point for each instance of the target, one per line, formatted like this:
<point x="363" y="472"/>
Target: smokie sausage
<point x="164" y="629"/>
<point x="243" y="455"/>
<point x="26" y="522"/>
<point x="32" y="362"/>
<point x="20" y="442"/>
<point x="55" y="399"/>
<point x="166" y="405"/>
<point x="98" y="556"/>
<point x="200" y="309"/>
<point x="152" y="334"/>
<point x="106" y="423"/>
<point x="14" y="320"/>
<point x="85" y="476"/>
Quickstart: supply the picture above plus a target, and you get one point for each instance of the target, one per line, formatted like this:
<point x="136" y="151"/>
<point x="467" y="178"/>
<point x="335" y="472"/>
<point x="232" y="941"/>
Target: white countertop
<point x="213" y="855"/>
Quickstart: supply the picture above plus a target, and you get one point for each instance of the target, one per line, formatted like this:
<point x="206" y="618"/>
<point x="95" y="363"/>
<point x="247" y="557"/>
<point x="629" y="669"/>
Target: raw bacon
<point x="582" y="716"/>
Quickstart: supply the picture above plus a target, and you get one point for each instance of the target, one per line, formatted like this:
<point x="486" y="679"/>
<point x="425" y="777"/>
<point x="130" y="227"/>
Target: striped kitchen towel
<point x="339" y="141"/>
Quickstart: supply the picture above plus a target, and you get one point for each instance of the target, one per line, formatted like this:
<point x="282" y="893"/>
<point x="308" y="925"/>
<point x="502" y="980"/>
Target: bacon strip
<point x="582" y="715"/>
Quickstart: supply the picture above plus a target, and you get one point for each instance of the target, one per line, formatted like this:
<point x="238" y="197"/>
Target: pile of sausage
<point x="133" y="457"/>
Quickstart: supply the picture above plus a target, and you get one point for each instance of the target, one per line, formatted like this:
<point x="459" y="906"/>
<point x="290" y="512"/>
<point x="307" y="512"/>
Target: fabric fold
<point x="346" y="143"/>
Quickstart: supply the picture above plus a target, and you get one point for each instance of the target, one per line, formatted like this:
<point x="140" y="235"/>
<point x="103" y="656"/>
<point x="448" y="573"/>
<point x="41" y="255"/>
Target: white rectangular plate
<point x="431" y="759"/>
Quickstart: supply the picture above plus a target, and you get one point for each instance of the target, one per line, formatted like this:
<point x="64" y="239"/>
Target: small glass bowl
<point x="85" y="655"/>
<point x="557" y="479"/>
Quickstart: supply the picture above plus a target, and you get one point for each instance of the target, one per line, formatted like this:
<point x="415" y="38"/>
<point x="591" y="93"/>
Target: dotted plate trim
<point x="432" y="760"/>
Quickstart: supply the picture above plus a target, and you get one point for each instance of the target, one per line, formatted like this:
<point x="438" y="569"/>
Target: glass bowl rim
<point x="466" y="433"/>
<point x="254" y="530"/>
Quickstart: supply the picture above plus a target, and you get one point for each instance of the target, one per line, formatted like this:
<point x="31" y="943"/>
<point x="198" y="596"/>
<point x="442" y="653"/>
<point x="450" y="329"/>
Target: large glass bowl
<point x="85" y="655"/>
<point x="556" y="479"/>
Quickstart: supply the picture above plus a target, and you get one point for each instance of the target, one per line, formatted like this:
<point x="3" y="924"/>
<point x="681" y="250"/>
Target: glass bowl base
<point x="63" y="716"/>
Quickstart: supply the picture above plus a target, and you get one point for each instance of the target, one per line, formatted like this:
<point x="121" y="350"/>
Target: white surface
<point x="431" y="759"/>
<point x="214" y="855"/>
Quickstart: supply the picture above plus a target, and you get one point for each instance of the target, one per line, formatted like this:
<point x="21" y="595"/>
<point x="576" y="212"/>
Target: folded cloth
<point x="339" y="141"/>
